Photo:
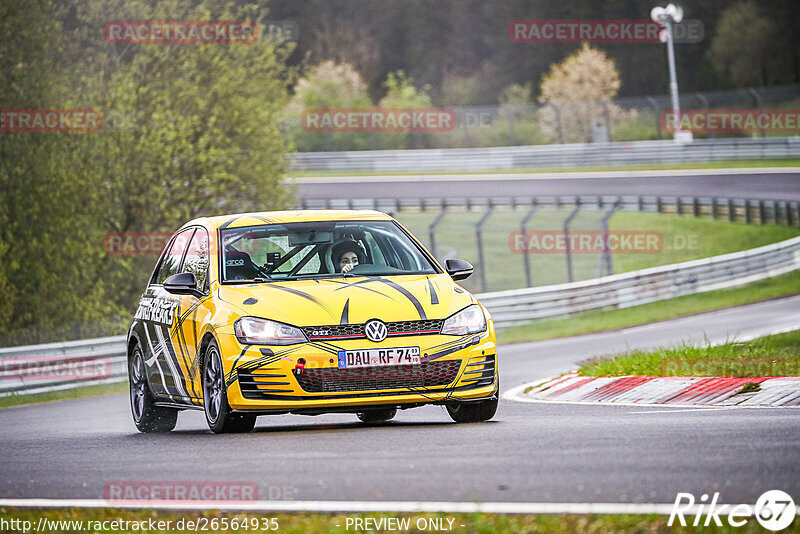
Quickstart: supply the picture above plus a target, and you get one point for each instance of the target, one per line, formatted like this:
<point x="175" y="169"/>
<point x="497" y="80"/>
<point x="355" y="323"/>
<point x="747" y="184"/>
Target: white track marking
<point x="360" y="506"/>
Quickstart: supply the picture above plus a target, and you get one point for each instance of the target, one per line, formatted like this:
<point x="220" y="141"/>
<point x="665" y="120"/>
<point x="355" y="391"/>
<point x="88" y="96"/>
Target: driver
<point x="347" y="255"/>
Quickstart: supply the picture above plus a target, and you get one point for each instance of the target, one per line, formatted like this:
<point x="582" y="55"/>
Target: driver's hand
<point x="347" y="268"/>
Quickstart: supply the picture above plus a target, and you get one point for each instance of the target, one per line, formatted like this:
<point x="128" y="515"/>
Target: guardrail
<point x="54" y="366"/>
<point x="537" y="156"/>
<point x="641" y="287"/>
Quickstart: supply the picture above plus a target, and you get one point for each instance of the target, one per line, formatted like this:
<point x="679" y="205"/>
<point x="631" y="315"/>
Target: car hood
<point x="351" y="300"/>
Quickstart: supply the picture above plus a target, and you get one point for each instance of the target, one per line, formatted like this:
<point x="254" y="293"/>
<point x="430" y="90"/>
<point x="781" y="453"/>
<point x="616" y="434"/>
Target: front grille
<point x="356" y="331"/>
<point x="426" y="374"/>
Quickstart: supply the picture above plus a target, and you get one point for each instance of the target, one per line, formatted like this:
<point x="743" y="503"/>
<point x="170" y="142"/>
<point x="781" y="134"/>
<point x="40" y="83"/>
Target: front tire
<point x="146" y="415"/>
<point x="472" y="412"/>
<point x="377" y="416"/>
<point x="219" y="415"/>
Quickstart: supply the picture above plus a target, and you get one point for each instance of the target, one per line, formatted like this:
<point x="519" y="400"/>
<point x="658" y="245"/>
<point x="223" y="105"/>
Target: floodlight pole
<point x="668" y="17"/>
<point x="673" y="78"/>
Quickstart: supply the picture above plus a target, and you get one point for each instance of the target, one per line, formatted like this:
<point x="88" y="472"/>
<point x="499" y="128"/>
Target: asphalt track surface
<point x="769" y="184"/>
<point x="527" y="453"/>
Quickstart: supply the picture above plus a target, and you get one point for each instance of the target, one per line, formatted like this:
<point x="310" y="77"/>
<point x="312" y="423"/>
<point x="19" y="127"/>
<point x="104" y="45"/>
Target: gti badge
<point x="375" y="330"/>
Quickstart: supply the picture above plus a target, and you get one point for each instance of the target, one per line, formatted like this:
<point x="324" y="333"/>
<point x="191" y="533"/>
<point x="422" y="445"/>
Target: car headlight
<point x="255" y="331"/>
<point x="470" y="320"/>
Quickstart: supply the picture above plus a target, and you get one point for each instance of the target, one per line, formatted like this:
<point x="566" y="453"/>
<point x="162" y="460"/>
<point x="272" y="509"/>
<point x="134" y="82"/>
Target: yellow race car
<point x="306" y="312"/>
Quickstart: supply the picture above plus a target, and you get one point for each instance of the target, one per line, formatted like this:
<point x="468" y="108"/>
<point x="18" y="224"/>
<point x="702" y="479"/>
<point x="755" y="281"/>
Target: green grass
<point x="600" y="320"/>
<point x="727" y="164"/>
<point x="85" y="391"/>
<point x="316" y="523"/>
<point x="684" y="238"/>
<point x="777" y="355"/>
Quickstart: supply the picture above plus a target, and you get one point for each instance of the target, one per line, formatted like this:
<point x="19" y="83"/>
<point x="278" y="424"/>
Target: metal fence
<point x="566" y="214"/>
<point x="549" y="156"/>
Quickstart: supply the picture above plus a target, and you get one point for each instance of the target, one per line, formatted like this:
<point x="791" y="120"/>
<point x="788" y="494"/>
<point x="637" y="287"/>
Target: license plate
<point x="378" y="357"/>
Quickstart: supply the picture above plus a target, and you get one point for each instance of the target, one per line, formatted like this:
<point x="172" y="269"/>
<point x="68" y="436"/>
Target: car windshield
<point x="319" y="249"/>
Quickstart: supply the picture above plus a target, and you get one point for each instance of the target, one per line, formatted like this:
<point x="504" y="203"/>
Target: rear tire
<point x="377" y="416"/>
<point x="146" y="415"/>
<point x="219" y="416"/>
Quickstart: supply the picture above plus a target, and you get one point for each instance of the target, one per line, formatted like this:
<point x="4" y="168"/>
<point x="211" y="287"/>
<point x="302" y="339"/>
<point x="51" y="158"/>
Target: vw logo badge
<point x="376" y="330"/>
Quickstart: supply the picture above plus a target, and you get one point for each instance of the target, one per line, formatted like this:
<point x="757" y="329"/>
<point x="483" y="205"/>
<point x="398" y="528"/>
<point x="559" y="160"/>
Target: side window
<point x="196" y="261"/>
<point x="171" y="261"/>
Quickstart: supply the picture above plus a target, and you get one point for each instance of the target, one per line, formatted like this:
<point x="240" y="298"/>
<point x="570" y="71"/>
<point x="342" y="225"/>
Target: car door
<point x="158" y="311"/>
<point x="191" y="314"/>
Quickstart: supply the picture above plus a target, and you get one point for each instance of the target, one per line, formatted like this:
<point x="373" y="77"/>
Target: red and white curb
<point x="661" y="390"/>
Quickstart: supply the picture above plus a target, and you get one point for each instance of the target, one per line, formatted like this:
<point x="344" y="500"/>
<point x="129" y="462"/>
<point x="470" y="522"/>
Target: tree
<point x="743" y="45"/>
<point x="189" y="130"/>
<point x="581" y="87"/>
<point x="329" y="85"/>
<point x="46" y="205"/>
<point x="402" y="94"/>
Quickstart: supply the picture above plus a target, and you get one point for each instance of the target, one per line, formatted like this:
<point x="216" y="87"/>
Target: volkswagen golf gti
<point x="306" y="312"/>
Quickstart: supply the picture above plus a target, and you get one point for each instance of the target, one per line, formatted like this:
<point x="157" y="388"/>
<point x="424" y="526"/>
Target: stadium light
<point x="666" y="17"/>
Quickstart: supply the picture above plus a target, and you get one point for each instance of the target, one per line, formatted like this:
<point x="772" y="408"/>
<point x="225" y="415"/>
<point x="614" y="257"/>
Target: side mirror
<point x="182" y="284"/>
<point x="458" y="269"/>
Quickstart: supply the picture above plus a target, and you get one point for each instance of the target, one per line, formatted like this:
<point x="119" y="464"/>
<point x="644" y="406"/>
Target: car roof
<point x="238" y="220"/>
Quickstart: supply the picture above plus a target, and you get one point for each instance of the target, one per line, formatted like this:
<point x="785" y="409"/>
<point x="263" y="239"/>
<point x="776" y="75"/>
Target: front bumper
<point x="264" y="379"/>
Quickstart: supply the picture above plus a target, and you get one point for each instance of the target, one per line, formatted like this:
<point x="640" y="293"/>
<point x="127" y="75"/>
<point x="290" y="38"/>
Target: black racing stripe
<point x="359" y="285"/>
<point x="345" y="313"/>
<point x="454" y="347"/>
<point x="406" y="293"/>
<point x="229" y="222"/>
<point x="171" y="354"/>
<point x="269" y="357"/>
<point x="434" y="296"/>
<point x="255" y="364"/>
<point x="327" y="347"/>
<point x="301" y="294"/>
<point x="183" y="347"/>
<point x="232" y="375"/>
<point x="249" y="367"/>
<point x="185" y="315"/>
<point x="264" y="219"/>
